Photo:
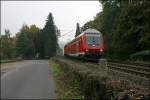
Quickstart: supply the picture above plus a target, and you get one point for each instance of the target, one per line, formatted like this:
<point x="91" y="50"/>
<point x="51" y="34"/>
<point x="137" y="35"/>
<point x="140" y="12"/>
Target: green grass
<point x="66" y="88"/>
<point x="56" y="69"/>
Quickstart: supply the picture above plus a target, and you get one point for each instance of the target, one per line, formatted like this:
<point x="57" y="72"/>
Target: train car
<point x="89" y="44"/>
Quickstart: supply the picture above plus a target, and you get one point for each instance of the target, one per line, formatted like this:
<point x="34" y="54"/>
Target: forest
<point x="126" y="28"/>
<point x="31" y="42"/>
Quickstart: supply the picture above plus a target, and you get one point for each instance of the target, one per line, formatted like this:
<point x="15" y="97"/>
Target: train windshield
<point x="93" y="39"/>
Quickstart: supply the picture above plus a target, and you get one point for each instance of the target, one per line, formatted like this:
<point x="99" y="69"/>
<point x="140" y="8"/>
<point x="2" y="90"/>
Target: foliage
<point x="131" y="32"/>
<point x="142" y="55"/>
<point x="7" y="45"/>
<point x="24" y="45"/>
<point x="34" y="36"/>
<point x="56" y="69"/>
<point x="31" y="42"/>
<point x="59" y="51"/>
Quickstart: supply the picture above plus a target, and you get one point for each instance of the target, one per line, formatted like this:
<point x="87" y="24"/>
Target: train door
<point x="80" y="45"/>
<point x="77" y="47"/>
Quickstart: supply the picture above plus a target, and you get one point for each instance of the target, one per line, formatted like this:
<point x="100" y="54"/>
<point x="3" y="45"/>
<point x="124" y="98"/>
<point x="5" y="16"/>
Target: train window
<point x="88" y="40"/>
<point x="93" y="39"/>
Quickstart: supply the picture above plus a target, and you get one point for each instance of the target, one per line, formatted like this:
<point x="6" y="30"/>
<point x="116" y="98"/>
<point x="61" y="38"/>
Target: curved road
<point x="31" y="79"/>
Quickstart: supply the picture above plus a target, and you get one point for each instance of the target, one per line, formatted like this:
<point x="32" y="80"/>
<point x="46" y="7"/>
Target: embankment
<point x="96" y="84"/>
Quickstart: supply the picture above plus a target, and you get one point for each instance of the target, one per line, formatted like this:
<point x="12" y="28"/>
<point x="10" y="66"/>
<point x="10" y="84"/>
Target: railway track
<point x="138" y="69"/>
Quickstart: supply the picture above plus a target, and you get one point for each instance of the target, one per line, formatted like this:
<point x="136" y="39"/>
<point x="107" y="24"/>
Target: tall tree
<point x="50" y="38"/>
<point x="78" y="31"/>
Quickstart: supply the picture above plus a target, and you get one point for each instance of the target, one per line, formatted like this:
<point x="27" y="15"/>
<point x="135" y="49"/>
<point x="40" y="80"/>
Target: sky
<point x="66" y="14"/>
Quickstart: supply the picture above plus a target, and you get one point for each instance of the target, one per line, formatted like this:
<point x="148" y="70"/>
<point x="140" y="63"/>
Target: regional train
<point x="89" y="44"/>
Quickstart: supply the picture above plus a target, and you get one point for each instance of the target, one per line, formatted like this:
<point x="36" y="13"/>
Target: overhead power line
<point x="65" y="34"/>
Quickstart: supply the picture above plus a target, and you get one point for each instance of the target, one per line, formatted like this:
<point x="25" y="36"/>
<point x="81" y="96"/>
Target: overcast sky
<point x="66" y="14"/>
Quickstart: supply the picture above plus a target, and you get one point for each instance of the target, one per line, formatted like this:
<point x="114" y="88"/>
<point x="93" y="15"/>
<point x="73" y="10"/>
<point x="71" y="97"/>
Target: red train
<point x="89" y="44"/>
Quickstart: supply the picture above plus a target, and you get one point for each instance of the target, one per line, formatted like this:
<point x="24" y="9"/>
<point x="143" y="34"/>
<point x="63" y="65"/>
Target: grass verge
<point x="66" y="86"/>
<point x="9" y="60"/>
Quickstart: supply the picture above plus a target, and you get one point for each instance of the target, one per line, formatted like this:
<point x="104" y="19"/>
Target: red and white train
<point x="89" y="44"/>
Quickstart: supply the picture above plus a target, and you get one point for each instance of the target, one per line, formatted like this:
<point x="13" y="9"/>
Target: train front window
<point x="93" y="39"/>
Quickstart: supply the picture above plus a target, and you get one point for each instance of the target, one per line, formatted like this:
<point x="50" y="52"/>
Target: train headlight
<point x="101" y="50"/>
<point x="86" y="50"/>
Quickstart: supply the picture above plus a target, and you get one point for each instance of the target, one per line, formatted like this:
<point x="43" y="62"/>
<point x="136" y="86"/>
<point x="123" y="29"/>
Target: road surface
<point x="31" y="79"/>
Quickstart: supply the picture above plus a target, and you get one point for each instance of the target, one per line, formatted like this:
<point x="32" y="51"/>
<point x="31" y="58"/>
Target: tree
<point x="78" y="31"/>
<point x="49" y="37"/>
<point x="34" y="36"/>
<point x="134" y="28"/>
<point x="7" y="45"/>
<point x="24" y="45"/>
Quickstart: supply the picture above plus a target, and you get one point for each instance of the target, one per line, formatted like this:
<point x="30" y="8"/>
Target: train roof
<point x="90" y="30"/>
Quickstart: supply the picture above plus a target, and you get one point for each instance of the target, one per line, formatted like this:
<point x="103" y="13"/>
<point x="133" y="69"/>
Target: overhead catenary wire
<point x="65" y="34"/>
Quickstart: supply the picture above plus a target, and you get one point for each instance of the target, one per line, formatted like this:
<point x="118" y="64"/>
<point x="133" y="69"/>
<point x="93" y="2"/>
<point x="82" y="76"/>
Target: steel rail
<point x="135" y="69"/>
<point x="130" y="63"/>
<point x="131" y="66"/>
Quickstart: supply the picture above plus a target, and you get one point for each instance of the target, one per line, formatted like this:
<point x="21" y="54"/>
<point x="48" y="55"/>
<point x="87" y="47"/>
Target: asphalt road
<point x="30" y="79"/>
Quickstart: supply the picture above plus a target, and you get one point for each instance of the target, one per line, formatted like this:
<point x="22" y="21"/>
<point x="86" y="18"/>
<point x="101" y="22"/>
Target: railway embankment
<point x="97" y="82"/>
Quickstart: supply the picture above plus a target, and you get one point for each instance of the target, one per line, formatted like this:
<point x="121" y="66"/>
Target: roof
<point x="90" y="30"/>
